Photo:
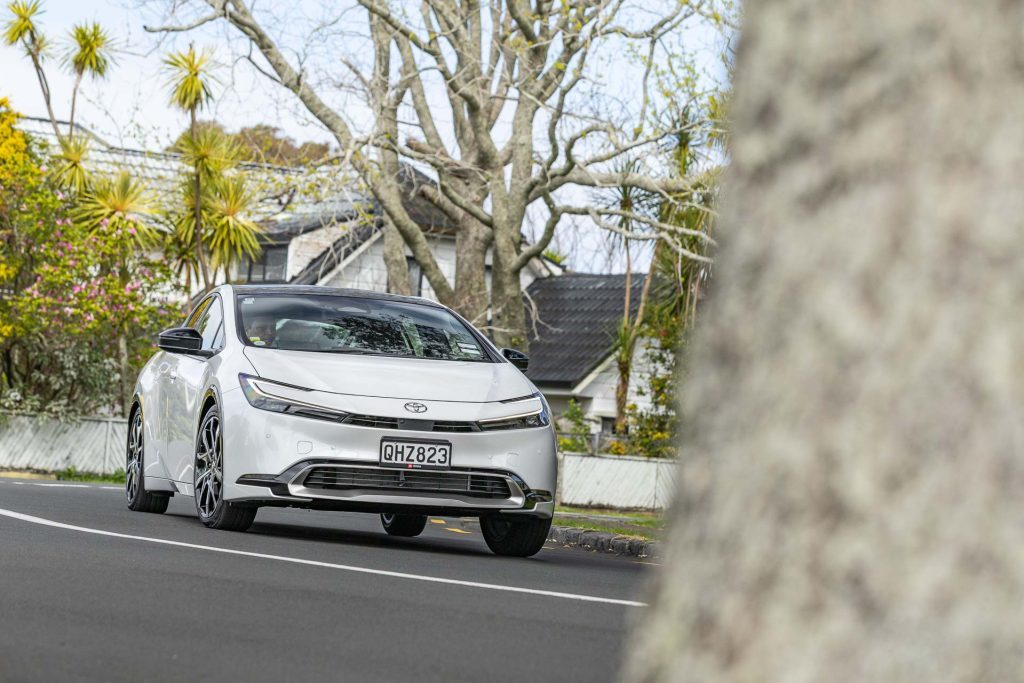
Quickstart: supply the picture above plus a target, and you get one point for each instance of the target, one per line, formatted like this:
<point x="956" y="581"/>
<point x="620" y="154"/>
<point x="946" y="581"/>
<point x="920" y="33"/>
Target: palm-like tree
<point x="69" y="171"/>
<point x="231" y="234"/>
<point x="190" y="82"/>
<point x="223" y="229"/>
<point x="21" y="30"/>
<point x="119" y="203"/>
<point x="629" y="200"/>
<point x="88" y="55"/>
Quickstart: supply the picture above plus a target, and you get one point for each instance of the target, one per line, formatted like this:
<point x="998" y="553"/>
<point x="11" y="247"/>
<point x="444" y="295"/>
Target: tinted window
<point x="340" y="324"/>
<point x="210" y="324"/>
<point x="270" y="266"/>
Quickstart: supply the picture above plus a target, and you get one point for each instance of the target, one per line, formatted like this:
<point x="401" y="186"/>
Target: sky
<point x="131" y="107"/>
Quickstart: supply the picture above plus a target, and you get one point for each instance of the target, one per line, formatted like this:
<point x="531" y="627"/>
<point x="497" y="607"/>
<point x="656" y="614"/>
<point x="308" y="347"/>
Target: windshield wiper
<point x="354" y="352"/>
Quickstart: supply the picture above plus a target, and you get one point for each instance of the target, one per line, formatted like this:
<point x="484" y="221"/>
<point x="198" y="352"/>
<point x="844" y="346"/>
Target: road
<point x="92" y="591"/>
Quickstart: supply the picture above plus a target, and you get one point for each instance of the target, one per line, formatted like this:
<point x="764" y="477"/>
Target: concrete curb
<point x="603" y="542"/>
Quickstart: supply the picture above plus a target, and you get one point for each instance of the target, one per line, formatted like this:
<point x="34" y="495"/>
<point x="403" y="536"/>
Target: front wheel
<point x="512" y="537"/>
<point x="139" y="499"/>
<point x="402" y="524"/>
<point x="208" y="478"/>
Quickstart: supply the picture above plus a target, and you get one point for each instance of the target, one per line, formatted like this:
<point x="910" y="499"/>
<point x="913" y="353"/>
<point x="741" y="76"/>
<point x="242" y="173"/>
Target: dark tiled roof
<point x="578" y="315"/>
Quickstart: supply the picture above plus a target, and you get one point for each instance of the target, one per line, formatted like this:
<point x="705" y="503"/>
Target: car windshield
<point x="357" y="325"/>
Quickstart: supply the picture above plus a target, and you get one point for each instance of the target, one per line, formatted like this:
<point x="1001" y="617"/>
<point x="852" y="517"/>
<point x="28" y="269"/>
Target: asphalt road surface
<point x="92" y="591"/>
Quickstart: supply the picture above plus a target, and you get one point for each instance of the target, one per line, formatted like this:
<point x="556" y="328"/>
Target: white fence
<point x="97" y="445"/>
<point x="94" y="445"/>
<point x="616" y="481"/>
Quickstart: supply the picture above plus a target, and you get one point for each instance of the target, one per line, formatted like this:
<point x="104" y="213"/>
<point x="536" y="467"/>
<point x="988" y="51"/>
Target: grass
<point x="71" y="474"/>
<point x="649" y="526"/>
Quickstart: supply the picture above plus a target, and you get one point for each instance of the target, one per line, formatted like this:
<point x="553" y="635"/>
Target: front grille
<point x="472" y="484"/>
<point x="452" y="426"/>
<point x="411" y="424"/>
<point x="372" y="421"/>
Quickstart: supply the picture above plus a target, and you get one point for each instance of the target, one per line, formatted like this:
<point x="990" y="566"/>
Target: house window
<point x="607" y="425"/>
<point x="270" y="266"/>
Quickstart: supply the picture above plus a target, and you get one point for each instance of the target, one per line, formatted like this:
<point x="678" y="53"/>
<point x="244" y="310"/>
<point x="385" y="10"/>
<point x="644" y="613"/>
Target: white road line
<point x="328" y="565"/>
<point x="61" y="486"/>
<point x="66" y="486"/>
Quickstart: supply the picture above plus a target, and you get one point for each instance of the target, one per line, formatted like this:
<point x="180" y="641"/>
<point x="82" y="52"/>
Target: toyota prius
<point x="336" y="399"/>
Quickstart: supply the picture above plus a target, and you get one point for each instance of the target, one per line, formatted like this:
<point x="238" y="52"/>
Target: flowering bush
<point x="79" y="307"/>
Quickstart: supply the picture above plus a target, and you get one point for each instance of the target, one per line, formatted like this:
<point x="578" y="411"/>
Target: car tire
<point x="403" y="524"/>
<point x="514" y="537"/>
<point x="208" y="479"/>
<point x="139" y="499"/>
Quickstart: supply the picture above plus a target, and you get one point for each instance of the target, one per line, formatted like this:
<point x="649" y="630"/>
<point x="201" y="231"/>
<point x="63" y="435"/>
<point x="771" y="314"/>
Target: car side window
<point x="193" y="318"/>
<point x="211" y="325"/>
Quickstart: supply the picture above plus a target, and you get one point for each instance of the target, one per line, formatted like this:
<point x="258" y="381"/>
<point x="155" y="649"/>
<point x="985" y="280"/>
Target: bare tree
<point x="507" y="74"/>
<point x="850" y="499"/>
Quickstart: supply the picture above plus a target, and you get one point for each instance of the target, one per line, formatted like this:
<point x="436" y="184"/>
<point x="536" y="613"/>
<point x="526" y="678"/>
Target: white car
<point x="338" y="399"/>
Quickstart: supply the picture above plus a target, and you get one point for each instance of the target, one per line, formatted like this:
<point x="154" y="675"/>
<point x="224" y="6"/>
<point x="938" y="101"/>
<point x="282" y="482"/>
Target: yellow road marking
<point x="437" y="521"/>
<point x="458" y="531"/>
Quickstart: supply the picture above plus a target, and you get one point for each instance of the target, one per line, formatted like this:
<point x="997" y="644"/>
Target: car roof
<point x="317" y="290"/>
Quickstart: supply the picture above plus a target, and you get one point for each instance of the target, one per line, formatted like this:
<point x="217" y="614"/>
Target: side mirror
<point x="180" y="340"/>
<point x="516" y="358"/>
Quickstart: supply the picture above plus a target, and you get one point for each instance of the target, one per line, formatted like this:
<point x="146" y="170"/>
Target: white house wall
<point x="304" y="248"/>
<point x="367" y="270"/>
<point x="364" y="271"/>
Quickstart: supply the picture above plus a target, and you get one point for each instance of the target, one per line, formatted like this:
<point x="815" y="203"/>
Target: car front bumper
<point x="279" y="459"/>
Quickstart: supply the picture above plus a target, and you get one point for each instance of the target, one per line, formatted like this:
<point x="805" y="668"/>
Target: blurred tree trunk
<point x="851" y="495"/>
<point x="394" y="260"/>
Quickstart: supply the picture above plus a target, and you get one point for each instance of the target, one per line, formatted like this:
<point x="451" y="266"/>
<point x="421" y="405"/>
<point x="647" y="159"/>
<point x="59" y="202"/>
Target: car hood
<point x="407" y="378"/>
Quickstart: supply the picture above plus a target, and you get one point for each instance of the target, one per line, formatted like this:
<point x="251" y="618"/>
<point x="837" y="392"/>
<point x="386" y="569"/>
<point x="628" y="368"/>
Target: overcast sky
<point x="131" y="107"/>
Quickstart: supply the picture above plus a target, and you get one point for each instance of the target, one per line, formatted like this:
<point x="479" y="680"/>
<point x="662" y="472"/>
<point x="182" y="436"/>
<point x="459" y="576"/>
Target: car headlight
<point x="539" y="418"/>
<point x="257" y="392"/>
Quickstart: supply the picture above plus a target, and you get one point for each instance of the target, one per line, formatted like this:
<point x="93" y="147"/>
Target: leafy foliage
<point x="21" y="26"/>
<point x="263" y="144"/>
<point x="71" y="173"/>
<point x="89" y="52"/>
<point x="578" y="438"/>
<point x="189" y="78"/>
<point x="70" y="292"/>
<point x="121" y="205"/>
<point x="226" y="233"/>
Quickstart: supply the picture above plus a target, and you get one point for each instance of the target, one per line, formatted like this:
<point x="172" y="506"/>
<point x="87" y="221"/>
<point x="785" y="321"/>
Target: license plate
<point x="415" y="455"/>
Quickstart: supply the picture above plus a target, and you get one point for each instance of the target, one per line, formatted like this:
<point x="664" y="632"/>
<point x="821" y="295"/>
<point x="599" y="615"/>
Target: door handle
<point x="173" y="374"/>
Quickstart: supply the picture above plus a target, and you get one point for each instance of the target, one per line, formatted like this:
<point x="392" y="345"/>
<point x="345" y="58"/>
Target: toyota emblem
<point x="414" y="407"/>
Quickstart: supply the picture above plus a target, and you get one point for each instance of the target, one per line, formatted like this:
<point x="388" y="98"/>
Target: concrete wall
<point x="98" y="445"/>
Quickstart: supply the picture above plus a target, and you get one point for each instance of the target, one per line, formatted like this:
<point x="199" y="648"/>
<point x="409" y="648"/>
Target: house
<point x="320" y="228"/>
<point x="347" y="249"/>
<point x="573" y="323"/>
